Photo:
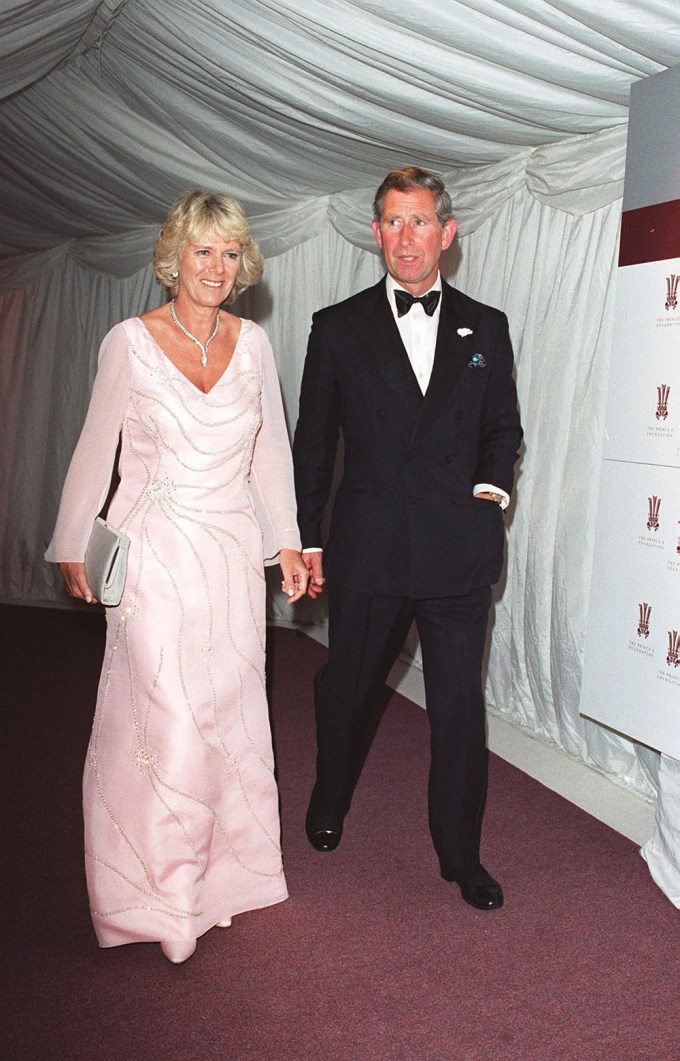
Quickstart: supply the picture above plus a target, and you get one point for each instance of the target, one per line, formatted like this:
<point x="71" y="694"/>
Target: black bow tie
<point x="404" y="301"/>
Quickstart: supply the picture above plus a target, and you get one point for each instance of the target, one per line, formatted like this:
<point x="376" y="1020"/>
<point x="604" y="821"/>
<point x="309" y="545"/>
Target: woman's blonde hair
<point x="189" y="220"/>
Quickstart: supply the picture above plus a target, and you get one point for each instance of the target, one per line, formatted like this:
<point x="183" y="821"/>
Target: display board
<point x="631" y="677"/>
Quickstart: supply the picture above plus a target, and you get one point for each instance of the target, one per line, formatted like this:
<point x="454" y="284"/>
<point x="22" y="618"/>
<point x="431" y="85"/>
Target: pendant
<point x="185" y="331"/>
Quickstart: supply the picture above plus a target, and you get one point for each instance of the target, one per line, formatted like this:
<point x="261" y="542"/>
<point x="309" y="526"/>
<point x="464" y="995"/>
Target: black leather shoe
<point x="322" y="839"/>
<point x="477" y="887"/>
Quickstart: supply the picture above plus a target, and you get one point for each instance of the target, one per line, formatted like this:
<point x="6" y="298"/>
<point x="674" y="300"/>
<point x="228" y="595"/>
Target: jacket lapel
<point x="451" y="357"/>
<point x="388" y="354"/>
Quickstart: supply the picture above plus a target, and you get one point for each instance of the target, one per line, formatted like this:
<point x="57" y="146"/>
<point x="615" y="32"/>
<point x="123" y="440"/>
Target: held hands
<point x="75" y="580"/>
<point x="295" y="576"/>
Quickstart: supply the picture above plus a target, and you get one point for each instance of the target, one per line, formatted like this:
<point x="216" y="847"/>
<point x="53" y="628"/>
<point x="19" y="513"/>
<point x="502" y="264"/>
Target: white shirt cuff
<point x="488" y="488"/>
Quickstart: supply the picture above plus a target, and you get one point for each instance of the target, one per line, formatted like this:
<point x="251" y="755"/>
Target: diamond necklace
<point x="185" y="331"/>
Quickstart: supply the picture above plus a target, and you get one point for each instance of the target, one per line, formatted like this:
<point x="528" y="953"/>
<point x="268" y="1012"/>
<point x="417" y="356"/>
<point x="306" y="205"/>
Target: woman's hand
<point x="75" y="580"/>
<point x="295" y="574"/>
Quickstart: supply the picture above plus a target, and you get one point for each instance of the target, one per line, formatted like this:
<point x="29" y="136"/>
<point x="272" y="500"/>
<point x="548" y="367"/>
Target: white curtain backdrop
<point x="109" y="109"/>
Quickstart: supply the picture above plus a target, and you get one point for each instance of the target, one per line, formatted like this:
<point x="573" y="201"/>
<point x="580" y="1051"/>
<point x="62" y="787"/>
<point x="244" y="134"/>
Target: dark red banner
<point x="650" y="234"/>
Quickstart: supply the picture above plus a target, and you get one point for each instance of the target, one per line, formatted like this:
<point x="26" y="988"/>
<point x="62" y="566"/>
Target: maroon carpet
<point x="373" y="956"/>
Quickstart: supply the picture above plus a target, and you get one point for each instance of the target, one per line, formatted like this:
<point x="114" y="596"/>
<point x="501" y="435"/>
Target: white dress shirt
<point x="418" y="331"/>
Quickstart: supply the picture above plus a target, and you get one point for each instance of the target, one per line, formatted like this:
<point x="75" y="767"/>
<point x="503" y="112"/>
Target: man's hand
<point x="75" y="580"/>
<point x="314" y="564"/>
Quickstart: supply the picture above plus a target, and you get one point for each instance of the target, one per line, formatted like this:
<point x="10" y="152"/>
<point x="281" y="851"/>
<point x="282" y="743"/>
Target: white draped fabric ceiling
<point x="111" y="109"/>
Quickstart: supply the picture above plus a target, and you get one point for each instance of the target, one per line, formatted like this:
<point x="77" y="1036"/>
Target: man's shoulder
<point x="467" y="306"/>
<point x="359" y="304"/>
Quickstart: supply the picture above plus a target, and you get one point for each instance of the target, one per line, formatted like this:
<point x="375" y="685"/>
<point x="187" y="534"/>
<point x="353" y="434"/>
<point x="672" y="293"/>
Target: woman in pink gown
<point x="179" y="797"/>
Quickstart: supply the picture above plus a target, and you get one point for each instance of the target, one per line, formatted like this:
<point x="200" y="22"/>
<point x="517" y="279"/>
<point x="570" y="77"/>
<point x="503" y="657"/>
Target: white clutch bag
<point x="106" y="562"/>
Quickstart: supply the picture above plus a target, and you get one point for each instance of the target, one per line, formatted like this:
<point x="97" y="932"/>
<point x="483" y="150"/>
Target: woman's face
<point x="208" y="269"/>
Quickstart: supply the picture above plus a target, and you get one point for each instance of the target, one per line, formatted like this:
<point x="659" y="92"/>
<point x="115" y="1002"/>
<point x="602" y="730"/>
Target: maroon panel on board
<point x="650" y="234"/>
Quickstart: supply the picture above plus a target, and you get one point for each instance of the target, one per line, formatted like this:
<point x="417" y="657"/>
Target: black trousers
<point x="366" y="634"/>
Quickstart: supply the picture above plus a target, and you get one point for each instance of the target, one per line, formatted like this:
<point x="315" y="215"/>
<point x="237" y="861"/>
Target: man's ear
<point x="377" y="233"/>
<point x="448" y="233"/>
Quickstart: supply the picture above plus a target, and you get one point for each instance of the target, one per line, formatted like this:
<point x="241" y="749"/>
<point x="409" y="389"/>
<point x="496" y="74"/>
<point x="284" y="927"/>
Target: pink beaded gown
<point x="179" y="797"/>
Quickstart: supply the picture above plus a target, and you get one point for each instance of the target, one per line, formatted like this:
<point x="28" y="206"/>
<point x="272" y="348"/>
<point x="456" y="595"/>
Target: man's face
<point x="411" y="238"/>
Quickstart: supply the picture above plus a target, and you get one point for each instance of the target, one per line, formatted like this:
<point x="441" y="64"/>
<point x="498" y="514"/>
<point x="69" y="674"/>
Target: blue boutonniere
<point x="477" y="361"/>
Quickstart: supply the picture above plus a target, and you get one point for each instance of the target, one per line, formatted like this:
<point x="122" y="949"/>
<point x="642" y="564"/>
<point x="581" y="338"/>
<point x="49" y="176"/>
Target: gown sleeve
<point x="89" y="475"/>
<point x="271" y="473"/>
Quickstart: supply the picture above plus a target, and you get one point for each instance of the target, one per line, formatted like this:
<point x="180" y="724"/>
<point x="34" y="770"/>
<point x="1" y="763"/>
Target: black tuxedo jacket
<point x="404" y="521"/>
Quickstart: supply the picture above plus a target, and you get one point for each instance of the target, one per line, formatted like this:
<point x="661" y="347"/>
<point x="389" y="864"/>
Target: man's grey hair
<point x="407" y="179"/>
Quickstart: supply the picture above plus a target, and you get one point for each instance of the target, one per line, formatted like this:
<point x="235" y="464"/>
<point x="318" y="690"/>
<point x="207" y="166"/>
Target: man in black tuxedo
<point x="419" y="378"/>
